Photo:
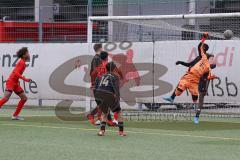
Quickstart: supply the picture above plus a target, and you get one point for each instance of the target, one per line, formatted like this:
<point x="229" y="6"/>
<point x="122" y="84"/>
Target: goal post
<point x="147" y="47"/>
<point x="161" y="17"/>
<point x="215" y="24"/>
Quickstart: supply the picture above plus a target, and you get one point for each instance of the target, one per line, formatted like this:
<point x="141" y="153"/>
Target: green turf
<point x="44" y="137"/>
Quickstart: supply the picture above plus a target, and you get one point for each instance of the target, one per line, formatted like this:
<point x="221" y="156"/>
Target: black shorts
<point x="108" y="101"/>
<point x="96" y="100"/>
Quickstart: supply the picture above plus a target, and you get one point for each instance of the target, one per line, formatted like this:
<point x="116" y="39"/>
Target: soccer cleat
<point x="17" y="118"/>
<point x="115" y="122"/>
<point x="122" y="134"/>
<point x="196" y="120"/>
<point x="91" y="119"/>
<point x="98" y="122"/>
<point x="101" y="133"/>
<point x="169" y="99"/>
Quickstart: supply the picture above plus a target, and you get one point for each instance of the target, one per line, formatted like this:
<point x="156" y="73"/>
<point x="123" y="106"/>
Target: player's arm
<point x="22" y="77"/>
<point x="199" y="49"/>
<point x="97" y="82"/>
<point x="200" y="46"/>
<point x="94" y="73"/>
<point x="190" y="64"/>
<point x="20" y="67"/>
<point x="119" y="72"/>
<point x="95" y="63"/>
<point x="93" y="76"/>
<point x="210" y="75"/>
<point x="183" y="63"/>
<point x="203" y="53"/>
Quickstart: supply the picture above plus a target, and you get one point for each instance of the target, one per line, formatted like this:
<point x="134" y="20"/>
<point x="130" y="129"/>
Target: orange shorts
<point x="189" y="82"/>
<point x="14" y="87"/>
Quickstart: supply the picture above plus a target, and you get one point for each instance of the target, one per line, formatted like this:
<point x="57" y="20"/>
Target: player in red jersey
<point x="98" y="70"/>
<point x="12" y="84"/>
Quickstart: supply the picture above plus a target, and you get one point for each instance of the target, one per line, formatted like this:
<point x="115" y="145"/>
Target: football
<point x="228" y="34"/>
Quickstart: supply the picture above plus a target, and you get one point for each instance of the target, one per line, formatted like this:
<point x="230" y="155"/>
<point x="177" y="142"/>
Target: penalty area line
<point x="128" y="131"/>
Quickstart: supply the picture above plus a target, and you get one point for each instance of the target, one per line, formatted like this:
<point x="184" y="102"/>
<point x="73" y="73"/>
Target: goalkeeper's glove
<point x="205" y="35"/>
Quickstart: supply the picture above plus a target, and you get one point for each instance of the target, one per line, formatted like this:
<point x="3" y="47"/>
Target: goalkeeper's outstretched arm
<point x="203" y="39"/>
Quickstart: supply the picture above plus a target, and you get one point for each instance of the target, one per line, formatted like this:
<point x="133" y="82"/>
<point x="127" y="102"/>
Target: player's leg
<point x="8" y="92"/>
<point x="171" y="98"/>
<point x="200" y="103"/>
<point x="120" y="123"/>
<point x="193" y="89"/>
<point x="181" y="87"/>
<point x="115" y="120"/>
<point x="93" y="112"/>
<point x="23" y="99"/>
<point x="202" y="87"/>
<point x="105" y="112"/>
<point x="110" y="121"/>
<point x="194" y="99"/>
<point x="98" y="111"/>
<point x="102" y="97"/>
<point x="118" y="111"/>
<point x="7" y="95"/>
<point x="103" y="125"/>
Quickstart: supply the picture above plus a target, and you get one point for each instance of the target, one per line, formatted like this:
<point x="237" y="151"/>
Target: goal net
<point x="146" y="49"/>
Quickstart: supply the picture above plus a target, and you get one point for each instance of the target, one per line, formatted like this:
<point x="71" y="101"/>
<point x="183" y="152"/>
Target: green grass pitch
<point x="44" y="137"/>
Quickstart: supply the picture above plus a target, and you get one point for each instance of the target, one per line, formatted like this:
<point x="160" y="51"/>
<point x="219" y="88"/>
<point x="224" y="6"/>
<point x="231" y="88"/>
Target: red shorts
<point x="14" y="87"/>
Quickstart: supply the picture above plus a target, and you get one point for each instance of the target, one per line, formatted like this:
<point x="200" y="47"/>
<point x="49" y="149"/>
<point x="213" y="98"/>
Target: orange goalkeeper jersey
<point x="202" y="67"/>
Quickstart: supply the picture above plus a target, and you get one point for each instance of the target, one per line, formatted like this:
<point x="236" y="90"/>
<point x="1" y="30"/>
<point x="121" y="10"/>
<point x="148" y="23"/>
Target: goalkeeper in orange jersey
<point x="202" y="87"/>
<point x="191" y="79"/>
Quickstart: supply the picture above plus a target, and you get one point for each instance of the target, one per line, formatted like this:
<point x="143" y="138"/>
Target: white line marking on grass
<point x="133" y="132"/>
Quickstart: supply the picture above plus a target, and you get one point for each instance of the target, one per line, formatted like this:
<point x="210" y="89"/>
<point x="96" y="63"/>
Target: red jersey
<point x="99" y="71"/>
<point x="17" y="71"/>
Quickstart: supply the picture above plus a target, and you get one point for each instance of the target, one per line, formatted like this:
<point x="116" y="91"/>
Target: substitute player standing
<point x="12" y="84"/>
<point x="107" y="91"/>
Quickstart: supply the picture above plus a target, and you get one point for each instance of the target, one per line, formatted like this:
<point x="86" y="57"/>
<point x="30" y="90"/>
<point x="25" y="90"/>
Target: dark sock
<point x="109" y="117"/>
<point x="198" y="113"/>
<point x="120" y="125"/>
<point x="173" y="95"/>
<point x="103" y="126"/>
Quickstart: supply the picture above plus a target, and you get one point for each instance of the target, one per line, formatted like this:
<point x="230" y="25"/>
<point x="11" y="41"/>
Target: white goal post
<point x="148" y="20"/>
